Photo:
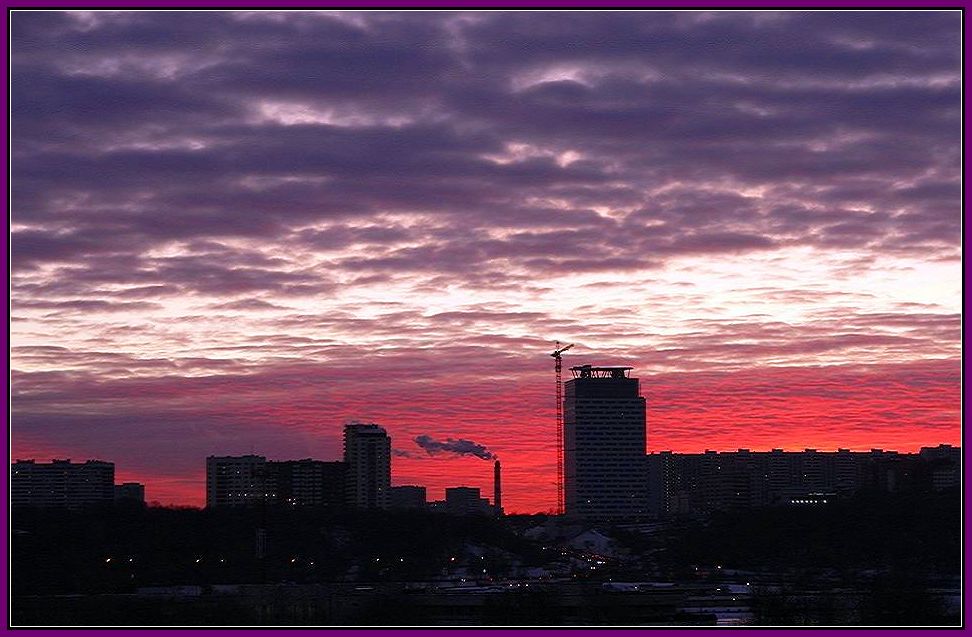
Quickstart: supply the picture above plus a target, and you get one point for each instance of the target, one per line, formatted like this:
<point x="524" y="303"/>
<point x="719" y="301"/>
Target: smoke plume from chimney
<point x="458" y="447"/>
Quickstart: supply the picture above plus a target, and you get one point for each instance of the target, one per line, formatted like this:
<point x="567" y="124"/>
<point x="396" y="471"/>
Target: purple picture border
<point x="468" y="5"/>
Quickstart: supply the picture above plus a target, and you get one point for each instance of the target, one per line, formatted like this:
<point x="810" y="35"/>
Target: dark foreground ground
<point x="873" y="560"/>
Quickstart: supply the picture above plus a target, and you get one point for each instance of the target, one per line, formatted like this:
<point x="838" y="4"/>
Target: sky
<point x="234" y="233"/>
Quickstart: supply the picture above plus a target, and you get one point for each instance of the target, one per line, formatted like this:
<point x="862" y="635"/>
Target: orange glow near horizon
<point x="687" y="413"/>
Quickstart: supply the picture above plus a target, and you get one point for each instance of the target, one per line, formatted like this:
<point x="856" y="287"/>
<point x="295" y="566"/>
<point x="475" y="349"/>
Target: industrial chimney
<point x="497" y="496"/>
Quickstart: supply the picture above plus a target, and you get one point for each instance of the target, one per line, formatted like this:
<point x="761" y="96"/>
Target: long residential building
<point x="61" y="483"/>
<point x="688" y="483"/>
<point x="246" y="480"/>
<point x="307" y="482"/>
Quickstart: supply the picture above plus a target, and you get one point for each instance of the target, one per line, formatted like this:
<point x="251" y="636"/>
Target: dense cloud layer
<point x="234" y="226"/>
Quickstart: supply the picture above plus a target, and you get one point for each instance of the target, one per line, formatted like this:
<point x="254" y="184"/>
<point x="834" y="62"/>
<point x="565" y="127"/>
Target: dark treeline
<point x="916" y="531"/>
<point x="873" y="560"/>
<point x="117" y="549"/>
<point x="877" y="558"/>
<point x="114" y="549"/>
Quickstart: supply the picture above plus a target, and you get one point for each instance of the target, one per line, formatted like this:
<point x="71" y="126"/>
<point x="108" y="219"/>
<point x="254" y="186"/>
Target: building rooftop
<point x="364" y="428"/>
<point x="598" y="371"/>
<point x="61" y="462"/>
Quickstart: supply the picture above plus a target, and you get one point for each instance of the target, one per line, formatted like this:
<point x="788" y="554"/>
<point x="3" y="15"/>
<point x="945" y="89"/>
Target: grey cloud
<point x="631" y="135"/>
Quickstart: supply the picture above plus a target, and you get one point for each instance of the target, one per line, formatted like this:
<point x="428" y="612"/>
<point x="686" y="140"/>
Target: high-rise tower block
<point x="604" y="444"/>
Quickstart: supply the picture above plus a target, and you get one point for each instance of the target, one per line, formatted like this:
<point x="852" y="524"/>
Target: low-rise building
<point x="130" y="492"/>
<point x="466" y="501"/>
<point x="408" y="497"/>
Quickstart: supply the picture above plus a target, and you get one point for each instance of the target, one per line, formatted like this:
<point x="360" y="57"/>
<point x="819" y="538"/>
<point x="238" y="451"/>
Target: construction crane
<point x="560" y="427"/>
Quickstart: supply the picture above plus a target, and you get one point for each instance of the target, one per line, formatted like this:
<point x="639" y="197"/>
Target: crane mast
<point x="560" y="426"/>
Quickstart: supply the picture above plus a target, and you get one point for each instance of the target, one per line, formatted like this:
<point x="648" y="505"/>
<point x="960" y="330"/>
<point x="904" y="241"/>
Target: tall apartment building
<point x="367" y="458"/>
<point x="604" y="444"/>
<point x="61" y="483"/>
